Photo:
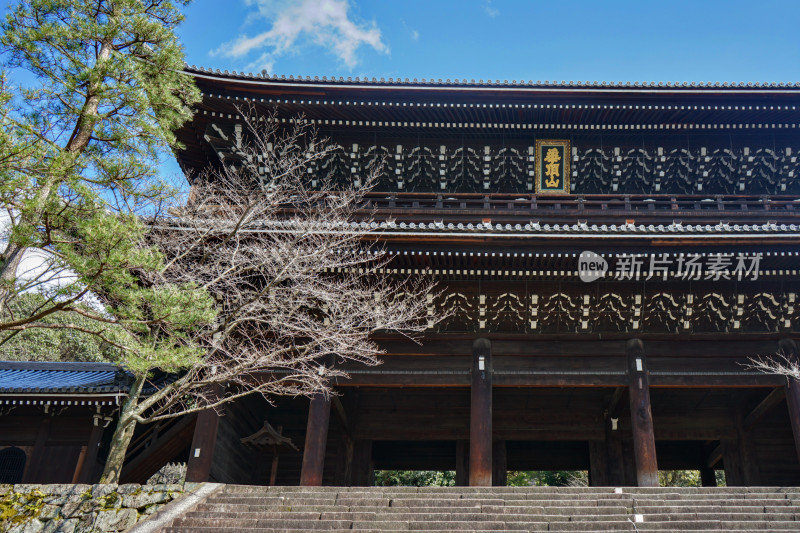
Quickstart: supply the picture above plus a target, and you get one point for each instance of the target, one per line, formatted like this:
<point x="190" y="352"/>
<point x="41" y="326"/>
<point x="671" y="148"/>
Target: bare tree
<point x="782" y="363"/>
<point x="264" y="279"/>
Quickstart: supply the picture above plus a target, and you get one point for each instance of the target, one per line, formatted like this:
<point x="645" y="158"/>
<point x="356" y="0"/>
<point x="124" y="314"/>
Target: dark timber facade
<point x="688" y="193"/>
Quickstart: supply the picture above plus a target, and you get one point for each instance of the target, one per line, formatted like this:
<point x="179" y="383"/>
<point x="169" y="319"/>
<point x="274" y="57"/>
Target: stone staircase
<point x="249" y="509"/>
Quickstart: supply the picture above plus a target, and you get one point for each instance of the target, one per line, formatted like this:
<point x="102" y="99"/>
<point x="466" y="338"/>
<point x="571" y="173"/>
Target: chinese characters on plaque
<point x="552" y="166"/>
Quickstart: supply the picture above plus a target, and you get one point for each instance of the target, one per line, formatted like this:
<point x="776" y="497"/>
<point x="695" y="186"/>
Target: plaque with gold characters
<point x="552" y="166"/>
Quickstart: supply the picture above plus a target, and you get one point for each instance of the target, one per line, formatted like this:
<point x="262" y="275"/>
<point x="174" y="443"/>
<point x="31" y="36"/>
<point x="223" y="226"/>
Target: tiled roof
<point x="193" y="69"/>
<point x="44" y="377"/>
<point x="535" y="229"/>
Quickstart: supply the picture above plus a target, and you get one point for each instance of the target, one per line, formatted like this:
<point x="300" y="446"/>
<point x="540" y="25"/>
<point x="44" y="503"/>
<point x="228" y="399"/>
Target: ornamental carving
<point x="539" y="308"/>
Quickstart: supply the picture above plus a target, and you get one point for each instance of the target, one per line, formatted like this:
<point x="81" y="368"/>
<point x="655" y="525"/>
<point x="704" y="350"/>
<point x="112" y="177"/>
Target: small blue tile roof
<point x="43" y="377"/>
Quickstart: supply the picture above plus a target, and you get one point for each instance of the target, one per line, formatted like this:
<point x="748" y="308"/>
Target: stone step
<point x="707" y="525"/>
<point x="407" y="517"/>
<point x="201" y="529"/>
<point x="237" y="509"/>
<point x="250" y="523"/>
<point x="496" y="509"/>
<point x="334" y="498"/>
<point x="298" y="524"/>
<point x="691" y="508"/>
<point x="510" y="490"/>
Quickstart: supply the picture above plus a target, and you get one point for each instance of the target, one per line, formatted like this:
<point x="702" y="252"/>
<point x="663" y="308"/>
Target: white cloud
<point x="325" y="23"/>
<point x="490" y="10"/>
<point x="414" y="35"/>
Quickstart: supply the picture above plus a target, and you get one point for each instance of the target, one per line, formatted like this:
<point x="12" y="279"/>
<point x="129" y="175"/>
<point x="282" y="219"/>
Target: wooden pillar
<point x="598" y="463"/>
<point x="628" y="463"/>
<point x="480" y="426"/>
<point x="731" y="460"/>
<point x="499" y="464"/>
<point x="644" y="442"/>
<point x="201" y="454"/>
<point x="319" y="415"/>
<point x="38" y="459"/>
<point x="86" y="472"/>
<point x="708" y="477"/>
<point x="344" y="462"/>
<point x="789" y="349"/>
<point x="616" y="462"/>
<point x="751" y="476"/>
<point x="462" y="463"/>
<point x="362" y="463"/>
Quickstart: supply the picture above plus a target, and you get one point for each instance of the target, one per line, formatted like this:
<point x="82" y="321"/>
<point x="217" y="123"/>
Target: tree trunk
<point x="122" y="434"/>
<point x="8" y="273"/>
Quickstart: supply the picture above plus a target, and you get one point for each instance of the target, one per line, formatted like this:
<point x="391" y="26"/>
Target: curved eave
<point x="305" y="83"/>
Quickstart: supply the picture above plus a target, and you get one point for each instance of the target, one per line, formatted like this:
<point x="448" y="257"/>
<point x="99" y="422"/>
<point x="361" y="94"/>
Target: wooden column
<point x="616" y="461"/>
<point x="480" y="426"/>
<point x="751" y="475"/>
<point x="86" y="472"/>
<point x="201" y="454"/>
<point x="319" y="415"/>
<point x="38" y="459"/>
<point x="344" y="462"/>
<point x="462" y="463"/>
<point x="598" y="463"/>
<point x="732" y="462"/>
<point x="499" y="464"/>
<point x="789" y="349"/>
<point x="644" y="442"/>
<point x="708" y="477"/>
<point x="362" y="463"/>
<point x="628" y="463"/>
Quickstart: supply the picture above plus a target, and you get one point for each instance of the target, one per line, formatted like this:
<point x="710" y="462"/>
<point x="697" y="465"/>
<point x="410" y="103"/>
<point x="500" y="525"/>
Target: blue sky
<point x="586" y="40"/>
<point x="643" y="40"/>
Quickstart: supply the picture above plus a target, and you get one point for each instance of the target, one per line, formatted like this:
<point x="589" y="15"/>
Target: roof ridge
<point x="65" y="366"/>
<point x="341" y="80"/>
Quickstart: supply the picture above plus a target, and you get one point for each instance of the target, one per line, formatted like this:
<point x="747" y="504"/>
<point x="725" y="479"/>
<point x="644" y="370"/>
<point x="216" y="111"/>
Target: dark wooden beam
<point x="750" y="472"/>
<point x="362" y="463"/>
<point x="789" y="349"/>
<point x="319" y="414"/>
<point x="598" y="463"/>
<point x="732" y="461"/>
<point x="612" y="409"/>
<point x="765" y="406"/>
<point x="86" y="472"/>
<point x="162" y="448"/>
<point x="201" y="454"/>
<point x="480" y="427"/>
<point x="341" y="413"/>
<point x="462" y="463"/>
<point x="499" y="464"/>
<point x="644" y="443"/>
<point x="714" y="457"/>
<point x="344" y="462"/>
<point x="38" y="459"/>
<point x="708" y="477"/>
<point x="615" y="475"/>
<point x="422" y="379"/>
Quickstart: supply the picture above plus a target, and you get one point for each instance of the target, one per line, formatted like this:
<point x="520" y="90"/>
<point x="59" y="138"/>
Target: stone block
<point x="61" y="526"/>
<point x="31" y="526"/>
<point x="143" y="499"/>
<point x="116" y="520"/>
<point x="76" y="506"/>
<point x="129" y="488"/>
<point x="101" y="490"/>
<point x="49" y="512"/>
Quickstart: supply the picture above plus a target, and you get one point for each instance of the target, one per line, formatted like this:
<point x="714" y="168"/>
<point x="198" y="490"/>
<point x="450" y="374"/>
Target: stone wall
<point x="80" y="508"/>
